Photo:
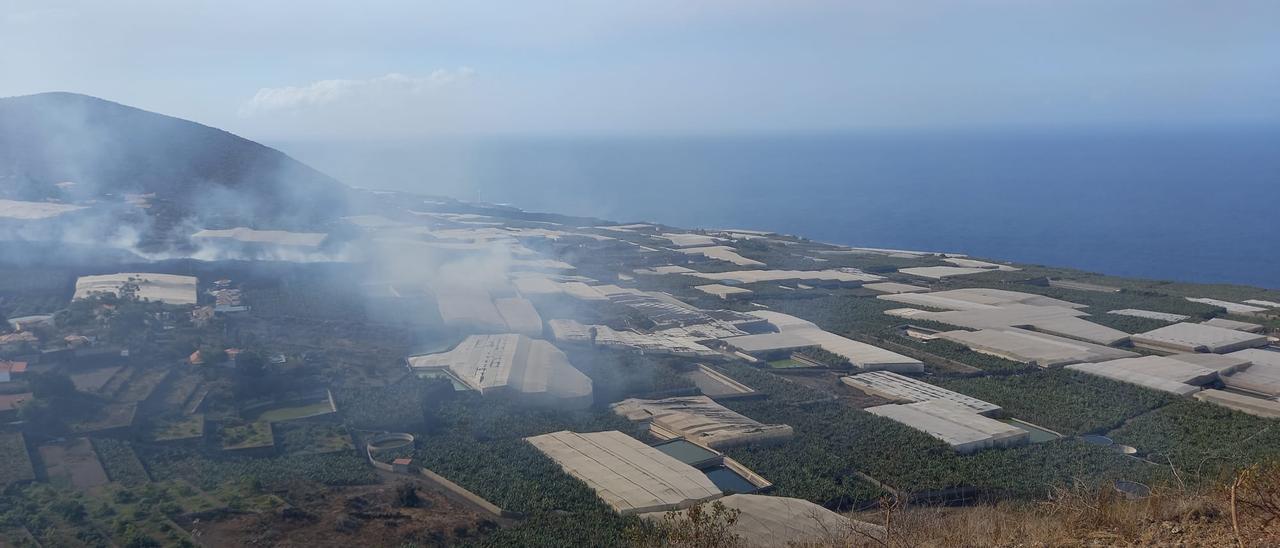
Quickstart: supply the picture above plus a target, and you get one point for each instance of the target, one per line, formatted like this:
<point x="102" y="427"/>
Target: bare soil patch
<point x="350" y="516"/>
<point x="73" y="462"/>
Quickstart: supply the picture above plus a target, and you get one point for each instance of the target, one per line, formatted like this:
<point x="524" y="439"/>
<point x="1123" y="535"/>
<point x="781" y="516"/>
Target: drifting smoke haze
<point x="142" y="188"/>
<point x="146" y="182"/>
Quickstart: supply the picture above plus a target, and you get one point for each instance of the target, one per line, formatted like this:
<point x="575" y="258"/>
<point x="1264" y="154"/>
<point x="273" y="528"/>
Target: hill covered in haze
<point x="107" y="150"/>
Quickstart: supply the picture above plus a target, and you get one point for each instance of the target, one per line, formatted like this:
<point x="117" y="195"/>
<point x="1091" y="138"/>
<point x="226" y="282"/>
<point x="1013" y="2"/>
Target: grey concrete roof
<point x="276" y="237"/>
<point x="371" y="221"/>
<point x="756" y="276"/>
<point x="1221" y="363"/>
<point x="164" y="288"/>
<point x="939" y="272"/>
<point x="974" y="263"/>
<point x="1083" y="286"/>
<point x="1002" y="297"/>
<point x="1232" y="324"/>
<point x="1269" y="409"/>
<point x="1179" y="373"/>
<point x="1262" y="376"/>
<point x="723" y="291"/>
<point x="538" y="371"/>
<point x="1234" y="308"/>
<point x="628" y="228"/>
<point x="903" y="389"/>
<point x="28" y="211"/>
<point x="1139" y="378"/>
<point x="1035" y="348"/>
<point x="1192" y="337"/>
<point x="626" y="474"/>
<point x="1149" y="314"/>
<point x="1167" y="368"/>
<point x="793" y="331"/>
<point x="933" y="300"/>
<point x="582" y="291"/>
<point x="765" y="342"/>
<point x="665" y="269"/>
<point x="894" y="287"/>
<point x="716" y="384"/>
<point x="469" y="308"/>
<point x="519" y="315"/>
<point x="978" y="299"/>
<point x="767" y="522"/>
<point x="961" y="428"/>
<point x="1260" y="302"/>
<point x="689" y="240"/>
<point x="721" y="253"/>
<point x="660" y="308"/>
<point x="1054" y="320"/>
<point x="570" y="331"/>
<point x="701" y="420"/>
<point x="531" y="286"/>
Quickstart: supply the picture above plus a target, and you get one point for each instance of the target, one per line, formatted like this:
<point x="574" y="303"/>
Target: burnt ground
<point x="366" y="515"/>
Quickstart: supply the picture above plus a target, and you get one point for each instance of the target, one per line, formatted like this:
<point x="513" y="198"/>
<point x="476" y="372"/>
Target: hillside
<point x="109" y="149"/>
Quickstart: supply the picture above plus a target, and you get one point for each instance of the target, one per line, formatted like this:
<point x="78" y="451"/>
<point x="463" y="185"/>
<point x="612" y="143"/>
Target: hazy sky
<point x="376" y="69"/>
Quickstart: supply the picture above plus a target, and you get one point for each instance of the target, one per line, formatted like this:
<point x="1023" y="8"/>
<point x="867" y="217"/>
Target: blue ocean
<point x="1176" y="205"/>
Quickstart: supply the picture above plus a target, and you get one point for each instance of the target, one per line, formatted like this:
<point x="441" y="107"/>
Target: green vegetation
<point x="120" y="462"/>
<point x="17" y="463"/>
<point x="1128" y="324"/>
<point x="863" y="319"/>
<point x="209" y="473"/>
<point x="108" y="417"/>
<point x="822" y="356"/>
<point x="291" y="412"/>
<point x="481" y="447"/>
<point x="335" y="336"/>
<point x="313" y="438"/>
<point x="396" y="407"/>
<point x="777" y="387"/>
<point x="1065" y="401"/>
<point x="512" y="474"/>
<point x="618" y="375"/>
<point x="709" y="525"/>
<point x="1202" y="440"/>
<point x="178" y="427"/>
<point x="116" y="515"/>
<point x="833" y="443"/>
<point x="788" y="364"/>
<point x="250" y="435"/>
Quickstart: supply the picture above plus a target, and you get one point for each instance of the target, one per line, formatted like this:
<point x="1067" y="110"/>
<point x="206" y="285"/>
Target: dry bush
<point x="709" y="526"/>
<point x="1244" y="512"/>
<point x="1255" y="505"/>
<point x="1085" y="515"/>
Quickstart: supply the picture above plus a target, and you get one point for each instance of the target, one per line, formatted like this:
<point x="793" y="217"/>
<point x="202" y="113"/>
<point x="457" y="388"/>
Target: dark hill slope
<point x="110" y="149"/>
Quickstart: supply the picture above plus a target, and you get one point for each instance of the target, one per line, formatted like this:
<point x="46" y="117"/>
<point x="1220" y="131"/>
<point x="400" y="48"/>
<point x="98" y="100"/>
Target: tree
<point x="407" y="496"/>
<point x="250" y="363"/>
<point x="435" y="394"/>
<point x="213" y="355"/>
<point x="51" y="385"/>
<point x="703" y="526"/>
<point x="129" y="320"/>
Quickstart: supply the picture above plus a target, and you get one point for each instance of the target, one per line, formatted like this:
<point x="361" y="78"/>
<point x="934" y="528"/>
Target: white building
<point x="629" y="476"/>
<point x="531" y="370"/>
<point x="164" y="288"/>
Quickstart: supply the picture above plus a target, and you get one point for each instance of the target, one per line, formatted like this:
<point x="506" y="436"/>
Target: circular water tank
<point x="1132" y="489"/>
<point x="387" y="441"/>
<point x="1095" y="439"/>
